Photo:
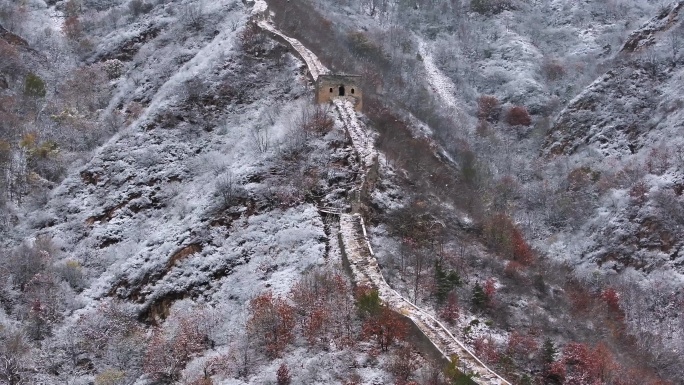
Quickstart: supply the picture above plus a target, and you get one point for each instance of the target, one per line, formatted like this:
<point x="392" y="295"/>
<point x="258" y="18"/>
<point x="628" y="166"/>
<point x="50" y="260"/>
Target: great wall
<point x="354" y="237"/>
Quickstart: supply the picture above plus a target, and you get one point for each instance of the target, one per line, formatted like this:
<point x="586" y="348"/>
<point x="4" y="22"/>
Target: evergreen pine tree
<point x="445" y="282"/>
<point x="548" y="351"/>
<point x="479" y="297"/>
<point x="34" y="86"/>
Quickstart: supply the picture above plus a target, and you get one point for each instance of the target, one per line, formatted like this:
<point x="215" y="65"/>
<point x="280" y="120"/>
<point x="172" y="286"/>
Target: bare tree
<point x="15" y="359"/>
<point x="261" y="138"/>
<point x="193" y="15"/>
<point x="229" y="191"/>
<point x="244" y="355"/>
<point x="674" y="42"/>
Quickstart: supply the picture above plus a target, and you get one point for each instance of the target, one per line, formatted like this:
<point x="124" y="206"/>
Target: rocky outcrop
<point x="646" y="36"/>
<point x="614" y="113"/>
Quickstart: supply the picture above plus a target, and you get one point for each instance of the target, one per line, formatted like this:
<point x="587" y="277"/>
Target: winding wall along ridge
<point x="362" y="261"/>
<point x="316" y="68"/>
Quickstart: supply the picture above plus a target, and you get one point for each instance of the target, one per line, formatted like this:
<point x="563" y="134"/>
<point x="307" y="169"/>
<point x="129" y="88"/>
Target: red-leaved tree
<point x="450" y="311"/>
<point x="521" y="346"/>
<point x="72" y="28"/>
<point x="518" y="116"/>
<point x="171" y="348"/>
<point x="489" y="288"/>
<point x="585" y="365"/>
<point x="271" y="323"/>
<point x="324" y="307"/>
<point x="612" y="299"/>
<point x="522" y="252"/>
<point x="486" y="350"/>
<point x="488" y="108"/>
<point x="283" y="376"/>
<point x="385" y="327"/>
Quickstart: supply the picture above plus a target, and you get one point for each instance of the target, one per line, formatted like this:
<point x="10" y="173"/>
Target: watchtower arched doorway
<point x="342" y="90"/>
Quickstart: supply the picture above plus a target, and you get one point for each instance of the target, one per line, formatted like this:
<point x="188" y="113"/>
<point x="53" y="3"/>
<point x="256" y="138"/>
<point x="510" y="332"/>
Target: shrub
<point x="5" y="152"/>
<point x="324" y="307"/>
<point x="513" y="270"/>
<point x="522" y="252"/>
<point x="402" y="364"/>
<point x="261" y="138"/>
<point x="10" y="57"/>
<point x="170" y="349"/>
<point x="251" y="38"/>
<point x="489" y="7"/>
<point x="27" y="262"/>
<point x="283" y="376"/>
<point x="489" y="289"/>
<point x="192" y="16"/>
<point x="482" y="129"/>
<point x="229" y="191"/>
<point x="518" y="116"/>
<point x="72" y="28"/>
<point x="658" y="161"/>
<point x="72" y="273"/>
<point x="34" y="86"/>
<point x="110" y="377"/>
<point x="486" y="350"/>
<point x="451" y="311"/>
<point x="138" y="7"/>
<point x="612" y="299"/>
<point x="488" y="108"/>
<point x="498" y="231"/>
<point x="552" y="69"/>
<point x="639" y="192"/>
<point x="317" y="120"/>
<point x="113" y="68"/>
<point x="360" y="43"/>
<point x="592" y="365"/>
<point x="521" y="346"/>
<point x="367" y="301"/>
<point x="73" y="8"/>
<point x="194" y="89"/>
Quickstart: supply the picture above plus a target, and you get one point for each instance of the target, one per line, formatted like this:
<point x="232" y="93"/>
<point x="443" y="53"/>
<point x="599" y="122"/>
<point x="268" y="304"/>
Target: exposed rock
<point x="126" y="50"/>
<point x="612" y="114"/>
<point x="183" y="253"/>
<point x="646" y="36"/>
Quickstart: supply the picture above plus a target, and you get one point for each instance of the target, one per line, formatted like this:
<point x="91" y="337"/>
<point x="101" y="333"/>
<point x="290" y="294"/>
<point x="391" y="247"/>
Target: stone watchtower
<point x="332" y="86"/>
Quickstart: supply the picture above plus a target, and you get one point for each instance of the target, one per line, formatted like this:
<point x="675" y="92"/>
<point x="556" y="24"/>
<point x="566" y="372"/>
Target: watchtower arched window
<point x="342" y="90"/>
<point x="331" y="90"/>
<point x="352" y="91"/>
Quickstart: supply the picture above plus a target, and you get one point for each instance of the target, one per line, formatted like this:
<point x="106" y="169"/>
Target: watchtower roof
<point x="340" y="77"/>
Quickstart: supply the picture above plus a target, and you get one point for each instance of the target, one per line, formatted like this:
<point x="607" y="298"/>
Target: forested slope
<point x="163" y="168"/>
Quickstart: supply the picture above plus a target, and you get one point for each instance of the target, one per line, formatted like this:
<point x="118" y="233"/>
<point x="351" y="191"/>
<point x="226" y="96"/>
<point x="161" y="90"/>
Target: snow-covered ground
<point x="148" y="217"/>
<point x="180" y="206"/>
<point x="440" y="83"/>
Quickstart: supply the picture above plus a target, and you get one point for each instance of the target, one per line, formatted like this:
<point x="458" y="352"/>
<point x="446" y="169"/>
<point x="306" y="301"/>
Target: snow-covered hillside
<point x="208" y="198"/>
<point x="170" y="200"/>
